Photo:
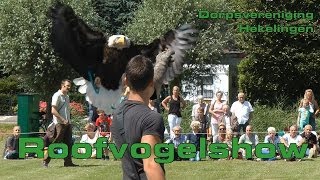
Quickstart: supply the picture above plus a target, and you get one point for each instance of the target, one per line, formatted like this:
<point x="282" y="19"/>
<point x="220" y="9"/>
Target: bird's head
<point x="119" y="41"/>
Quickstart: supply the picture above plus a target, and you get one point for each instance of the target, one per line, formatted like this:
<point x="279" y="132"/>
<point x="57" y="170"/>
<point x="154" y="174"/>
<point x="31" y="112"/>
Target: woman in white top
<point x="90" y="137"/>
<point x="216" y="110"/>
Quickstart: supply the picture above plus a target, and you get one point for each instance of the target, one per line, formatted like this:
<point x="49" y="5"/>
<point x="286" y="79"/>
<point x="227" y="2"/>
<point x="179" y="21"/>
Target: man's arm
<point x="152" y="169"/>
<point x="55" y="112"/>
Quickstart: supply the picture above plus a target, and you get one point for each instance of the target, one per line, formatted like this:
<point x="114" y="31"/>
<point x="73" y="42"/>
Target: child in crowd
<point x="103" y="123"/>
<point x="304" y="114"/>
<point x="204" y="123"/>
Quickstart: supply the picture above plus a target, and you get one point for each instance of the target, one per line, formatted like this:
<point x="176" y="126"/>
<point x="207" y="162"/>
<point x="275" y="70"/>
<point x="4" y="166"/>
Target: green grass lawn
<point x="207" y="169"/>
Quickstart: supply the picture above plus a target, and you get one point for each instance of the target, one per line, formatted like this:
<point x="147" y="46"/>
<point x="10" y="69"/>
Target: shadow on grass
<point x="80" y="166"/>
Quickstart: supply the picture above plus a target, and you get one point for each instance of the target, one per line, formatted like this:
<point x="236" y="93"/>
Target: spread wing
<point x="74" y="41"/>
<point x="169" y="62"/>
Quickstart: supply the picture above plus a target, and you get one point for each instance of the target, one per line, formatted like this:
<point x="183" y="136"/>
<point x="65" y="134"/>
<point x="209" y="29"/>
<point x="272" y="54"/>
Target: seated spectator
<point x="204" y="123"/>
<point x="249" y="138"/>
<point x="292" y="137"/>
<point x="221" y="137"/>
<point x="273" y="138"/>
<point x="194" y="138"/>
<point x="311" y="139"/>
<point x="90" y="137"/>
<point x="176" y="140"/>
<point x="228" y="141"/>
<point x="11" y="150"/>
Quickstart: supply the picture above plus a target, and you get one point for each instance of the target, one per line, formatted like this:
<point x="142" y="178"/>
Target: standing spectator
<point x="104" y="123"/>
<point x="176" y="103"/>
<point x="216" y="112"/>
<point x="61" y="118"/>
<point x="311" y="139"/>
<point x="243" y="112"/>
<point x="200" y="103"/>
<point x="11" y="150"/>
<point x="314" y="104"/>
<point x="134" y="122"/>
<point x="305" y="112"/>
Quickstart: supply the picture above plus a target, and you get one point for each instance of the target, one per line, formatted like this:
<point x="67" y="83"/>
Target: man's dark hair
<point x="139" y="73"/>
<point x="64" y="81"/>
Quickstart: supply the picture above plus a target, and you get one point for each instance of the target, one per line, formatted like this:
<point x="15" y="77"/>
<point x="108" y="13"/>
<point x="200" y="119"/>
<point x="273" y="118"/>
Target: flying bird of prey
<point x="102" y="61"/>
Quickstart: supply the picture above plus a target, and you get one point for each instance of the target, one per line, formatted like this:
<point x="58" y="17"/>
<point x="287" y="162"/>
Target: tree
<point x="280" y="63"/>
<point x="25" y="49"/>
<point x="114" y="14"/>
<point x="154" y="18"/>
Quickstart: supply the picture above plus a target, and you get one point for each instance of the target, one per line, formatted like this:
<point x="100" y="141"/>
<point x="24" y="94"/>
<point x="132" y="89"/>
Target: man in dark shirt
<point x="311" y="139"/>
<point x="134" y="122"/>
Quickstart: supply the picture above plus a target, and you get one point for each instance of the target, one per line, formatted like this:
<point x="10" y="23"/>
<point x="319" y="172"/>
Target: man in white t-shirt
<point x="292" y="137"/>
<point x="243" y="111"/>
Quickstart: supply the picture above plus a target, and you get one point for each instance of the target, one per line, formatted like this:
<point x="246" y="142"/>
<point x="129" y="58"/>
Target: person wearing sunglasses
<point x="12" y="144"/>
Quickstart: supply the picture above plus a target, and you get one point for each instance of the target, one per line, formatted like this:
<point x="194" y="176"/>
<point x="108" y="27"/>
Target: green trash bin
<point x="28" y="114"/>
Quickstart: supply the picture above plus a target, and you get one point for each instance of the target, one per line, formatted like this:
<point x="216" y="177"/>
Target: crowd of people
<point x="219" y="123"/>
<point x="216" y="122"/>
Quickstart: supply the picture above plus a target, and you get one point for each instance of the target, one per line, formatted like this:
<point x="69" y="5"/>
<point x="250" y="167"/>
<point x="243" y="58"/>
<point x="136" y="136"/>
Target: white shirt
<point x="86" y="139"/>
<point x="62" y="102"/>
<point x="241" y="111"/>
<point x="290" y="139"/>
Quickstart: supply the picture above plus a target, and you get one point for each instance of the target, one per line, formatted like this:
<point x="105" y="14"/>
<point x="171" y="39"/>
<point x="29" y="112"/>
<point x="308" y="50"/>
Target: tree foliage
<point x="280" y="63"/>
<point x="114" y="14"/>
<point x="25" y="49"/>
<point x="154" y="18"/>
